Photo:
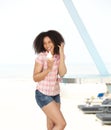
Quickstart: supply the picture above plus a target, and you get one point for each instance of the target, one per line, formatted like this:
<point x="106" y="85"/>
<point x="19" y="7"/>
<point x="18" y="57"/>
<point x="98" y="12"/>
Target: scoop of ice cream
<point x="49" y="55"/>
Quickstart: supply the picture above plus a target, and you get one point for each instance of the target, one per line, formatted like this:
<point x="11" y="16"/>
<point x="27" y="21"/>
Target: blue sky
<point x="22" y="20"/>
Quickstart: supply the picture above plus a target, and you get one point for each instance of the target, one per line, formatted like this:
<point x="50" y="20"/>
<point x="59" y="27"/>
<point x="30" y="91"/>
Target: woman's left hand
<point x="61" y="48"/>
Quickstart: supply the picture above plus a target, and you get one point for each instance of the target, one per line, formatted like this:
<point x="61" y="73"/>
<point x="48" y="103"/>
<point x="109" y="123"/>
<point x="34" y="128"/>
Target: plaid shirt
<point x="50" y="85"/>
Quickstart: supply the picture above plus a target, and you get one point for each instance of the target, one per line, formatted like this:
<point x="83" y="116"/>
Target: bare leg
<point x="52" y="111"/>
<point x="50" y="123"/>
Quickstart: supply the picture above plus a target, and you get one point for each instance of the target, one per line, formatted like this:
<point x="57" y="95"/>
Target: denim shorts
<point x="43" y="99"/>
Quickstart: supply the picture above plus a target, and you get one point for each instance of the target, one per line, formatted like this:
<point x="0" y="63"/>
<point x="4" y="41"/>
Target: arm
<point x="39" y="74"/>
<point x="62" y="66"/>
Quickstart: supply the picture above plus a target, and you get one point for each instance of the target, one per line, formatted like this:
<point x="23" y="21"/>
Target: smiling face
<point x="48" y="44"/>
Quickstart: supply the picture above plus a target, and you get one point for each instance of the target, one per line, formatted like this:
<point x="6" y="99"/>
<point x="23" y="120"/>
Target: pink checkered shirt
<point x="50" y="85"/>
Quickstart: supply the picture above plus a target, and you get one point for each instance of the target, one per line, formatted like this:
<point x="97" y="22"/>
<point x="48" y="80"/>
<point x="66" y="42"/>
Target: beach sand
<point x="19" y="111"/>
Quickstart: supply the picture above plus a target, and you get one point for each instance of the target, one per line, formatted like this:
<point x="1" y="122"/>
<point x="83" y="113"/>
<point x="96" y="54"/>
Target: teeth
<point x="49" y="55"/>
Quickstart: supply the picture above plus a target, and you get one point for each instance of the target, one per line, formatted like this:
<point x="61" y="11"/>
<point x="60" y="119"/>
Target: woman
<point x="46" y="73"/>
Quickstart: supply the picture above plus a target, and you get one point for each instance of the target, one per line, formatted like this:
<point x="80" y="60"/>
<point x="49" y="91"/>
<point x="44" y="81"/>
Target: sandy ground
<point x="19" y="111"/>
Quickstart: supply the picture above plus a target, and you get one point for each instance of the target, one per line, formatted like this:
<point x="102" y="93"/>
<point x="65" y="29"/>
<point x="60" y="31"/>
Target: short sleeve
<point x="40" y="58"/>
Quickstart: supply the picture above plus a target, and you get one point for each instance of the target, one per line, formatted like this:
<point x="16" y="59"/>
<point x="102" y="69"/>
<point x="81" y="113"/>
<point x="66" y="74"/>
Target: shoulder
<point x="57" y="56"/>
<point x="41" y="57"/>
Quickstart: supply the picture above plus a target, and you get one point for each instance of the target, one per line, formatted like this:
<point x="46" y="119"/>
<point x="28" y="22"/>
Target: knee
<point x="62" y="125"/>
<point x="50" y="125"/>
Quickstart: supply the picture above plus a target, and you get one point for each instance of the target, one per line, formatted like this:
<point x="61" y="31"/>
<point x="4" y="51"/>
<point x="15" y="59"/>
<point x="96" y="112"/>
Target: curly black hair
<point x="55" y="36"/>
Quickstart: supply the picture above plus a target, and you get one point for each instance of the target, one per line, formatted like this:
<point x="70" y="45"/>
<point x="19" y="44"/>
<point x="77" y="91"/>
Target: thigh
<point x="50" y="123"/>
<point x="52" y="111"/>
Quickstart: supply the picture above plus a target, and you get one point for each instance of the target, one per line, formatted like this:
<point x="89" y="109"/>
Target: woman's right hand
<point x="50" y="63"/>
